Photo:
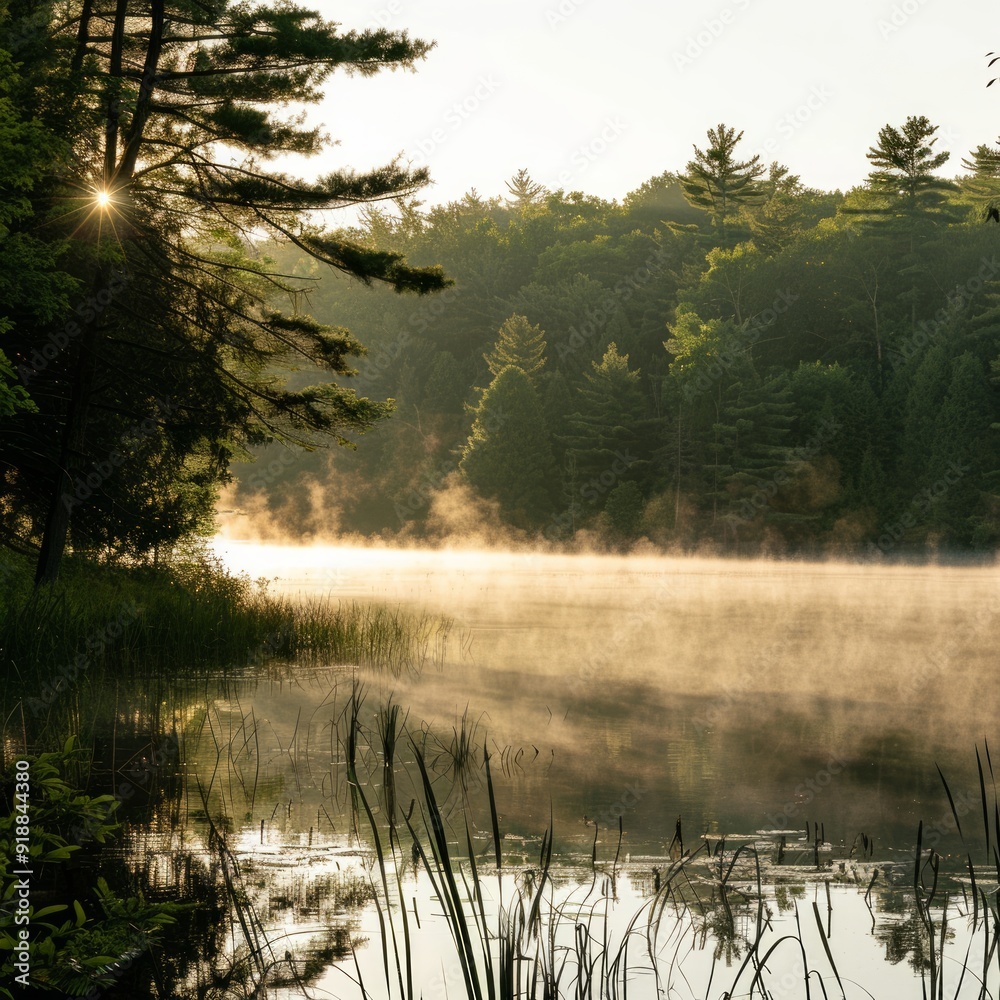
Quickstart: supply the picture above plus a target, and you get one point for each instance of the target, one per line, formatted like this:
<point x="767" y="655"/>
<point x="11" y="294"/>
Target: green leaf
<point x="99" y="961"/>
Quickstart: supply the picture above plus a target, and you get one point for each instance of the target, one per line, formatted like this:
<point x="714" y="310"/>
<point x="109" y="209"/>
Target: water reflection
<point x="639" y="709"/>
<point x="719" y="690"/>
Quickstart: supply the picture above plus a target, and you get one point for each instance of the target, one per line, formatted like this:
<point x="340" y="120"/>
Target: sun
<point x="103" y="199"/>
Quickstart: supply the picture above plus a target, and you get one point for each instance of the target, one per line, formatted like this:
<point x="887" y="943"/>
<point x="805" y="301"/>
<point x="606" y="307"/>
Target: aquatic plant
<point x="81" y="939"/>
<point x="63" y="647"/>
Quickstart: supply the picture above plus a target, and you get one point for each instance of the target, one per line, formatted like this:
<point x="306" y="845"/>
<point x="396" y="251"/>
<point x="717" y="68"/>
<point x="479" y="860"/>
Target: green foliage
<point x="524" y="192"/>
<point x="99" y="624"/>
<point x="82" y="947"/>
<point x="982" y="190"/>
<point x="508" y="456"/>
<point x="903" y="165"/>
<point x="604" y="431"/>
<point x="519" y="344"/>
<point x="145" y="328"/>
<point x="624" y="508"/>
<point x="716" y="181"/>
<point x="809" y="353"/>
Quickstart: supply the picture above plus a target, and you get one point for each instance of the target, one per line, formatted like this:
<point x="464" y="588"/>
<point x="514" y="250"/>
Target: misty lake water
<point x="737" y="695"/>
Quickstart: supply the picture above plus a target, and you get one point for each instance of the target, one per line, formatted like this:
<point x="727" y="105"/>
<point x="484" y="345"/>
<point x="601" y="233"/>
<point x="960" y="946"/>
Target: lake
<point x="736" y="695"/>
<point x="782" y="722"/>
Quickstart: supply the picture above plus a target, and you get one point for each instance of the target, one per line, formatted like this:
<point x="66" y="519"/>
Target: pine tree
<point x="925" y="396"/>
<point x="557" y="402"/>
<point x="775" y="222"/>
<point x="604" y="436"/>
<point x="904" y="162"/>
<point x="719" y="183"/>
<point x="524" y="192"/>
<point x="169" y="112"/>
<point x="624" y="508"/>
<point x="962" y="450"/>
<point x="983" y="188"/>
<point x="519" y="344"/>
<point x="508" y="456"/>
<point x="445" y="386"/>
<point x="752" y="449"/>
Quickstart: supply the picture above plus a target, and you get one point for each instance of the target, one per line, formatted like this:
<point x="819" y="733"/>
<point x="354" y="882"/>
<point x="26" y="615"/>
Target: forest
<point x="724" y="358"/>
<point x="481" y="733"/>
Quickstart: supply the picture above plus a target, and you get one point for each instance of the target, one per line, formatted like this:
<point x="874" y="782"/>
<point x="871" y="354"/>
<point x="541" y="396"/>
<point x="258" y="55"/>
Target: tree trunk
<point x="73" y="450"/>
<point x="72" y="454"/>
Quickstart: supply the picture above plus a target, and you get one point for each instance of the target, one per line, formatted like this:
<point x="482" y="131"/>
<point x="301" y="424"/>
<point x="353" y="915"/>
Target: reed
<point x="66" y="649"/>
<point x="389" y="724"/>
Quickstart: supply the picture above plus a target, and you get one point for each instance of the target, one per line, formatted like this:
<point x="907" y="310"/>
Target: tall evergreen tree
<point x="904" y="162"/>
<point x="716" y="181"/>
<point x="963" y="451"/>
<point x="524" y="192"/>
<point x="982" y="189"/>
<point x="508" y="456"/>
<point x="776" y="220"/>
<point x="752" y="449"/>
<point x="519" y="344"/>
<point x="171" y="110"/>
<point x="605" y="431"/>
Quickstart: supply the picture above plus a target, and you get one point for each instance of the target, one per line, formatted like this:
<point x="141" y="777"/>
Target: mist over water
<point x="738" y="695"/>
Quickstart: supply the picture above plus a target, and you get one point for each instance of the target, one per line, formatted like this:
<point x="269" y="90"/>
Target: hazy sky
<point x="598" y="96"/>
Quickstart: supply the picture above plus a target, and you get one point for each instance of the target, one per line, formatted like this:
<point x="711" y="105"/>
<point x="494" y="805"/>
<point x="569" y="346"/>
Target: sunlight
<point x="103" y="199"/>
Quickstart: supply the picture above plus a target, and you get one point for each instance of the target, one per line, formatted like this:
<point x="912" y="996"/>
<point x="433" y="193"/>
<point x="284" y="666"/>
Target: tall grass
<point x="101" y="625"/>
<point x="702" y="925"/>
<point x="514" y="933"/>
<point x="192" y="614"/>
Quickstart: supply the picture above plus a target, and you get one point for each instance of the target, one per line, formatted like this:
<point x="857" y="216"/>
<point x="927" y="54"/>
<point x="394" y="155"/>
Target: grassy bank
<point x="103" y="624"/>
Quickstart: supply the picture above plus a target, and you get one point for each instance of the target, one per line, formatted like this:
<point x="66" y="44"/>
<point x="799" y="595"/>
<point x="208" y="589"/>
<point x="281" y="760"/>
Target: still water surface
<point x="736" y="695"/>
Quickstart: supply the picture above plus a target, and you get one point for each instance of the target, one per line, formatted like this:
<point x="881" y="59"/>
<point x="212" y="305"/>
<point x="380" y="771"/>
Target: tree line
<point x="724" y="357"/>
